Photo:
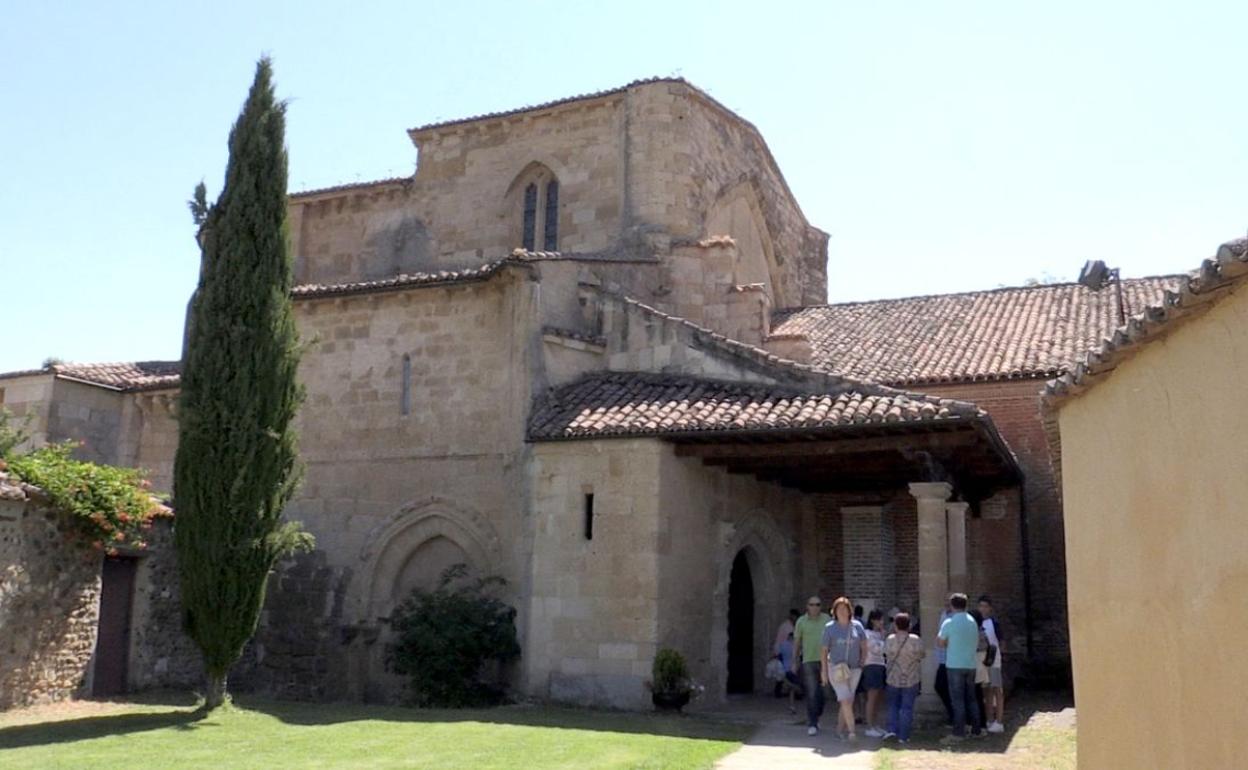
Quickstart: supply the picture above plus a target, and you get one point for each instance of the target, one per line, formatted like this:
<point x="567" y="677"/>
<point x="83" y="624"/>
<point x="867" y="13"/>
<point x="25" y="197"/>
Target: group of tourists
<point x="864" y="660"/>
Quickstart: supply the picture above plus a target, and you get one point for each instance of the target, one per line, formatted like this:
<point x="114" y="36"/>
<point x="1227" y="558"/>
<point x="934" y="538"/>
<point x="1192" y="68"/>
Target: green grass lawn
<point x="269" y="734"/>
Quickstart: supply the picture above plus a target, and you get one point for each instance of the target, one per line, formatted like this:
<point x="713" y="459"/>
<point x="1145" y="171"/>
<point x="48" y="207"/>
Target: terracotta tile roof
<point x="128" y="376"/>
<point x="352" y="186"/>
<point x="1195" y="293"/>
<point x="1034" y="331"/>
<point x="134" y="375"/>
<point x="639" y="404"/>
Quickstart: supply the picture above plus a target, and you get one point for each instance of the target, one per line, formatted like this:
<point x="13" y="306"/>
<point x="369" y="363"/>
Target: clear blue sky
<point x="944" y="145"/>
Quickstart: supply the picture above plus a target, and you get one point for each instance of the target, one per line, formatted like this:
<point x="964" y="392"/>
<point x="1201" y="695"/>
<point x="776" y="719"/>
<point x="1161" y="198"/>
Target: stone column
<point x="933" y="579"/>
<point x="956" y="515"/>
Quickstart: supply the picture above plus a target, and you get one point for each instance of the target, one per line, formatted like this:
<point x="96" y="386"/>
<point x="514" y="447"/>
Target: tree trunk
<point x="214" y="694"/>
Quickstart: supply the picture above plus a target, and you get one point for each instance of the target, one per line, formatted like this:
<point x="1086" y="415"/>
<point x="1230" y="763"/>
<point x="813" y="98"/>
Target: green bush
<point x="112" y="505"/>
<point x="670" y="673"/>
<point x="445" y="637"/>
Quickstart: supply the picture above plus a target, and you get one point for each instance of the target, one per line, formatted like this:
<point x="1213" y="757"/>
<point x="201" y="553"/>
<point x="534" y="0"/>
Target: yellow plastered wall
<point x="1155" y="479"/>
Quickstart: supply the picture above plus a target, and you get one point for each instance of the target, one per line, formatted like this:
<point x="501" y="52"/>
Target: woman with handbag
<point x="844" y="651"/>
<point x="903" y="653"/>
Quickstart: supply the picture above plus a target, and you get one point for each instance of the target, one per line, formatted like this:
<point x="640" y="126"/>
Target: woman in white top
<point x="873" y="672"/>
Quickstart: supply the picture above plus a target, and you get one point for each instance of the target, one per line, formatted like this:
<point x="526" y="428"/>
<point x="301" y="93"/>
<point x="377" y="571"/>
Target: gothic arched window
<point x="535" y="192"/>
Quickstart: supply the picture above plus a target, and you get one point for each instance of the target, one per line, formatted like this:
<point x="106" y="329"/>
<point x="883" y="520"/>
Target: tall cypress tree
<point x="237" y="463"/>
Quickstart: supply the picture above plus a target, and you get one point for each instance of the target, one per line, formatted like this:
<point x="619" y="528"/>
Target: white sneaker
<point x="873" y="732"/>
<point x="996" y="727"/>
<point x="812" y="730"/>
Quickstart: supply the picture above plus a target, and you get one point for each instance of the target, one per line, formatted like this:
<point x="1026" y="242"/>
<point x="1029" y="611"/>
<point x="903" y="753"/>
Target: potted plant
<point x="670" y="686"/>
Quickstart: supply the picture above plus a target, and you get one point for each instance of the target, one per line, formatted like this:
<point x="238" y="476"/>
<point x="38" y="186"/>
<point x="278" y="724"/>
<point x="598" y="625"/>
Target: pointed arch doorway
<point x="740" y="626"/>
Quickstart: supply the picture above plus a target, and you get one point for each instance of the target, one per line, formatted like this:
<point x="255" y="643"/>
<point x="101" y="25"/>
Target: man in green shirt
<point x="807" y="639"/>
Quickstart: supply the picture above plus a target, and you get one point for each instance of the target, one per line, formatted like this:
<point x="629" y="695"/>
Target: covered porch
<point x="886" y="520"/>
<point x="731" y="502"/>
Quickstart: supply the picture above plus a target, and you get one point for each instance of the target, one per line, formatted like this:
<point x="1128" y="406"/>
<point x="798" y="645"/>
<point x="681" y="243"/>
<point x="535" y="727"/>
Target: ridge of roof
<point x="968" y="293"/>
<point x="550" y="104"/>
<point x="1203" y="287"/>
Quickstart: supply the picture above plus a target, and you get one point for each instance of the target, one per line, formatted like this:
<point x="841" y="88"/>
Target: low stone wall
<point x="162" y="656"/>
<point x="49" y="601"/>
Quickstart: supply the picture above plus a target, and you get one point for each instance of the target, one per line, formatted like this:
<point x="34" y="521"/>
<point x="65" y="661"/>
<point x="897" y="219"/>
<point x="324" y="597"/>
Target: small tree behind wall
<point x="237" y="465"/>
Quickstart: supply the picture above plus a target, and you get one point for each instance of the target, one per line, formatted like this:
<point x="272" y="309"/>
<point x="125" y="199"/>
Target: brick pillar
<point x="867" y="555"/>
<point x="933" y="579"/>
<point x="956" y="515"/>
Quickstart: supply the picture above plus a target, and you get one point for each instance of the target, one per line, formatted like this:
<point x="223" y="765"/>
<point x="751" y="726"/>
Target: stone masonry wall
<point x="89" y="414"/>
<point x="161" y="654"/>
<point x="688" y="153"/>
<point x="707" y="517"/>
<point x="29" y="398"/>
<point x="655" y="572"/>
<point x="593" y="603"/>
<point x="640" y="172"/>
<point x="149" y="438"/>
<point x="49" y="602"/>
<point x="383" y="487"/>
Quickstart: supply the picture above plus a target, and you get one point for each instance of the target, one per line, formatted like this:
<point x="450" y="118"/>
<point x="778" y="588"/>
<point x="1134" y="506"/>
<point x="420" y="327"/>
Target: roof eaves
<point x="24" y="373"/>
<point x="1214" y="279"/>
<point x="896" y="426"/>
<point x="406" y="281"/>
<point x="351" y="187"/>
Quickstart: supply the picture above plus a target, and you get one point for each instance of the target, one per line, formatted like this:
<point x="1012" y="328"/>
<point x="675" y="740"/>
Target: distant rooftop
<point x="997" y="334"/>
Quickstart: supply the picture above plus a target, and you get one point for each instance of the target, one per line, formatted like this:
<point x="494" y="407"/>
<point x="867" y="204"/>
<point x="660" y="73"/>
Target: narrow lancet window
<point x="530" y="217"/>
<point x="405" y="387"/>
<point x="589" y="516"/>
<point x="550" y="238"/>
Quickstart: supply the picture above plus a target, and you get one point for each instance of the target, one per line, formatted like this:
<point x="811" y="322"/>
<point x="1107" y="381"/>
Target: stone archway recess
<point x="768" y="553"/>
<point x="391" y="543"/>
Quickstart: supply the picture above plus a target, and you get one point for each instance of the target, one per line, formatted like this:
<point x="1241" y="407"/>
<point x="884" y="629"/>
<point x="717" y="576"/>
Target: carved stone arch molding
<point x="532" y="169"/>
<point x="773" y="550"/>
<point x="769" y="554"/>
<point x="744" y="194"/>
<point x="391" y="544"/>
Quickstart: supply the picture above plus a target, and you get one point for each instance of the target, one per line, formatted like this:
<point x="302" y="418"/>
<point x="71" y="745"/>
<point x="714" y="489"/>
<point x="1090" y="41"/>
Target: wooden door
<point x="112" y="646"/>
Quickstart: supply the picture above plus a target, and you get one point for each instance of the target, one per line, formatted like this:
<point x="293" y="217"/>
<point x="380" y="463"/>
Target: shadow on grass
<point x="521" y="715"/>
<point x="86" y="728"/>
<point x="182" y="716"/>
<point x="1018" y="713"/>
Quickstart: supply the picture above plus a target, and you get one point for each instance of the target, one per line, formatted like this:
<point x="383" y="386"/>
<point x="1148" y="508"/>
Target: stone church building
<point x="586" y="347"/>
